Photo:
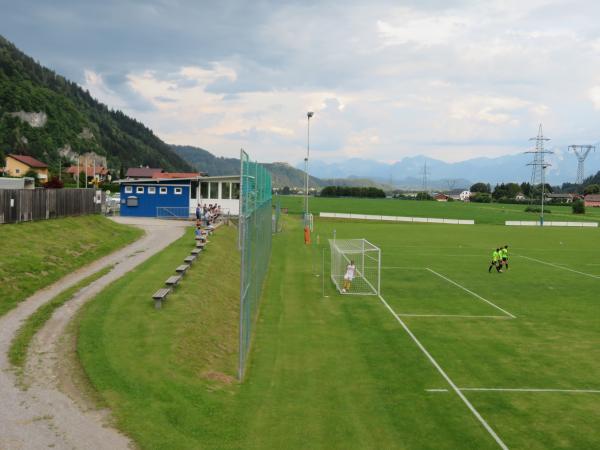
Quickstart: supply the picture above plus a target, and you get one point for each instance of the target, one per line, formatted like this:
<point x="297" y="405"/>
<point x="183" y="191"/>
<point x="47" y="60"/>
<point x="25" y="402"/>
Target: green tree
<point x="592" y="189"/>
<point x="578" y="206"/>
<point x="481" y="187"/>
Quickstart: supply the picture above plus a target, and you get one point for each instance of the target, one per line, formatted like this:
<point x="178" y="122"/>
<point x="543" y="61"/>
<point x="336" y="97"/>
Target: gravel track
<point x="41" y="416"/>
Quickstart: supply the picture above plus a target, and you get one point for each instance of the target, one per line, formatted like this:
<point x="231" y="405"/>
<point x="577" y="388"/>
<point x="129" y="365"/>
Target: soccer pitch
<point x="516" y="353"/>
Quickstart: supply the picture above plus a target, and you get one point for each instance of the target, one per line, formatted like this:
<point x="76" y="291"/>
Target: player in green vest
<point x="504" y="253"/>
<point x="495" y="261"/>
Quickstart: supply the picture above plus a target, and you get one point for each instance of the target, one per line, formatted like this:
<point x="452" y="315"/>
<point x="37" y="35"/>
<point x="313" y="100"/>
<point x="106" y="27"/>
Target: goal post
<point x="367" y="259"/>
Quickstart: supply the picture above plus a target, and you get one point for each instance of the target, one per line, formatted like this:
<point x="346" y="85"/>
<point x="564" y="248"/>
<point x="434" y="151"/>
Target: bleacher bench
<point x="189" y="259"/>
<point x="200" y="245"/>
<point x="182" y="268"/>
<point x="173" y="280"/>
<point x="159" y="296"/>
<point x="196" y="251"/>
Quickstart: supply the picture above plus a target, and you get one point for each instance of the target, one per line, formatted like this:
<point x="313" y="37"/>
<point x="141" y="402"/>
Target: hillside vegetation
<point x="36" y="254"/>
<point x="74" y="118"/>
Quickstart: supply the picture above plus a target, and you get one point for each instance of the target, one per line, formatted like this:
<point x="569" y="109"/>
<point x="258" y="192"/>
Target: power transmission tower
<point x="424" y="173"/>
<point x="538" y="166"/>
<point x="581" y="151"/>
<point x="451" y="184"/>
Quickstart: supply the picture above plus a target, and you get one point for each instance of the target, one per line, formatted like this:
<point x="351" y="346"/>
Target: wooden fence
<point x="23" y="205"/>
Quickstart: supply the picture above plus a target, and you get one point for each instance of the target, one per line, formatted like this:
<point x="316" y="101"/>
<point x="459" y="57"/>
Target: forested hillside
<point x="69" y="116"/>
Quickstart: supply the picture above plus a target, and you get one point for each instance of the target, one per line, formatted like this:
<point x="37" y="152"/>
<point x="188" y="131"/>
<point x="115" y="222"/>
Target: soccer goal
<point x="367" y="259"/>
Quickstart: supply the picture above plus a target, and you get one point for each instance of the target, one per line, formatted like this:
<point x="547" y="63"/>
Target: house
<point x="17" y="183"/>
<point x="520" y="197"/>
<point x="19" y="165"/>
<point x="142" y="172"/>
<point x="562" y="198"/>
<point x="177" y="196"/>
<point x="99" y="173"/>
<point x="465" y="196"/>
<point x="439" y="197"/>
<point x="592" y="200"/>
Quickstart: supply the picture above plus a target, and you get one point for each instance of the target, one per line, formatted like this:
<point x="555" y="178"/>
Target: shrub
<point x="578" y="207"/>
<point x="537" y="209"/>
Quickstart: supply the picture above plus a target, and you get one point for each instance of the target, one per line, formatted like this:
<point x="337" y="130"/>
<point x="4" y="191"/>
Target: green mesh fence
<point x="255" y="226"/>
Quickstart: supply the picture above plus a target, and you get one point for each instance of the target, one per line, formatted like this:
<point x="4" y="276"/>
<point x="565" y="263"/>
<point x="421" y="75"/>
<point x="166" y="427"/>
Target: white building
<point x="465" y="196"/>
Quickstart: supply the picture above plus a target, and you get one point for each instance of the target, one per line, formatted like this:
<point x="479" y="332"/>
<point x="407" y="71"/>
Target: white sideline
<point x="463" y="316"/>
<point x="560" y="267"/>
<point x="472" y="293"/>
<point x="575" y="391"/>
<point x="447" y="378"/>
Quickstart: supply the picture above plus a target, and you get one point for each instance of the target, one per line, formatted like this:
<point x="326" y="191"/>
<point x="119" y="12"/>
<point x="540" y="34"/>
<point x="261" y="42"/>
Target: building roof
<point x="89" y="170"/>
<point x="30" y="161"/>
<point x="142" y="172"/>
<point x="592" y="198"/>
<point x="163" y="175"/>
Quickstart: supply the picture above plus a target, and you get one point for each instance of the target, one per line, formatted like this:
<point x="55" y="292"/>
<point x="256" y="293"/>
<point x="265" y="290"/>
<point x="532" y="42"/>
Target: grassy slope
<point x="19" y="346"/>
<point x="486" y="213"/>
<point x="36" y="254"/>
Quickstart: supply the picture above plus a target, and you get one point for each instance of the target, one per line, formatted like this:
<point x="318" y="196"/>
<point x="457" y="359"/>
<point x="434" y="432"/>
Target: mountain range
<point x="408" y="172"/>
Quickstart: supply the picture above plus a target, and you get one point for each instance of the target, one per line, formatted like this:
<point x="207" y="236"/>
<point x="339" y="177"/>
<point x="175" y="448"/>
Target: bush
<point x="578" y="207"/>
<point x="481" y="197"/>
<point x="537" y="209"/>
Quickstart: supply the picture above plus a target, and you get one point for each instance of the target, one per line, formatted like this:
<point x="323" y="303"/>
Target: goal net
<point x="366" y="258"/>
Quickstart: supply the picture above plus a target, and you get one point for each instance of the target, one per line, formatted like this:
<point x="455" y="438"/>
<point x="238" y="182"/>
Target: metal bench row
<point x="161" y="295"/>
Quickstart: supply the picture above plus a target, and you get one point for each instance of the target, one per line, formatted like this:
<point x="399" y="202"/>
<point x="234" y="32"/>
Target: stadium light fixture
<point x="309" y="114"/>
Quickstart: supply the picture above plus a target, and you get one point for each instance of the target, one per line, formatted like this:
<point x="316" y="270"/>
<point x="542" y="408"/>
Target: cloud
<point x="387" y="79"/>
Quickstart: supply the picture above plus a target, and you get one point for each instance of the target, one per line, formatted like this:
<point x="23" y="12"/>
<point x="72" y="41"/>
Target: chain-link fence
<point x="255" y="230"/>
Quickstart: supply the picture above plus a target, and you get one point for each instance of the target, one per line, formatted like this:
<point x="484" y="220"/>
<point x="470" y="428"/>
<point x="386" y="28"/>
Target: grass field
<point x="482" y="213"/>
<point x="36" y="254"/>
<point x="515" y="352"/>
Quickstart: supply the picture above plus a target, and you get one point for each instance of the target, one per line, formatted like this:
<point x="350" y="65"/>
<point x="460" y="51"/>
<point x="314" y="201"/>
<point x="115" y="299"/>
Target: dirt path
<point x="42" y="416"/>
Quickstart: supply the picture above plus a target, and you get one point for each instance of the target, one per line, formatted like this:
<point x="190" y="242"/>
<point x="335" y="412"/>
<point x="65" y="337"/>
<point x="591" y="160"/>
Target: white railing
<point x="396" y="218"/>
<point x="534" y="223"/>
<point x="174" y="212"/>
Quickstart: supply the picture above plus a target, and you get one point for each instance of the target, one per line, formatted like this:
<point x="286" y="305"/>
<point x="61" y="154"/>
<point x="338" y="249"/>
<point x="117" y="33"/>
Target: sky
<point x="447" y="79"/>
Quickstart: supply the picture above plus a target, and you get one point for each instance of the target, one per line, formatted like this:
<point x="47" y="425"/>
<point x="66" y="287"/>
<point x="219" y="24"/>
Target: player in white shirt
<point x="349" y="276"/>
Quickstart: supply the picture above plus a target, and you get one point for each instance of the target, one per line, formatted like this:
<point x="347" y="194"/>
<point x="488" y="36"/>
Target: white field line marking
<point x="402" y="267"/>
<point x="560" y="267"/>
<point x="446" y="377"/>
<point x="436" y="390"/>
<point x="472" y="293"/>
<point x="575" y="391"/>
<point x="463" y="316"/>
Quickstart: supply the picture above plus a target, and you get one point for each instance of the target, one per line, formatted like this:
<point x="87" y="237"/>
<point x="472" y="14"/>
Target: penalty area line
<point x="472" y="293"/>
<point x="441" y="371"/>
<point x="568" y="391"/>
<point x="560" y="267"/>
<point x="459" y="316"/>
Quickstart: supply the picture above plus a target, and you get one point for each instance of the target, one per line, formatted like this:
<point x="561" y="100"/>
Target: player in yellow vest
<point x="496" y="261"/>
<point x="504" y="254"/>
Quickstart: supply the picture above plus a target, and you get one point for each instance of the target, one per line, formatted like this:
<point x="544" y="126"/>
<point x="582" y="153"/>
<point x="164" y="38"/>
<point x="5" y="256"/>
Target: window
<point x="235" y="190"/>
<point x="163" y="190"/>
<point x="225" y="190"/>
<point x="204" y="189"/>
<point x="151" y="190"/>
<point x="129" y="189"/>
<point x="214" y="190"/>
<point x="178" y="191"/>
<point x="132" y="201"/>
<point x="139" y="189"/>
<point x="17" y="171"/>
<point x="193" y="190"/>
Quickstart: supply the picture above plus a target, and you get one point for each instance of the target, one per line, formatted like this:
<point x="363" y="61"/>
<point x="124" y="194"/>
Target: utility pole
<point x="538" y="166"/>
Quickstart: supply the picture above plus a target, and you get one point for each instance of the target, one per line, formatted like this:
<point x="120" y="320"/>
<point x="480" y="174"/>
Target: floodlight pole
<point x="308" y="116"/>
